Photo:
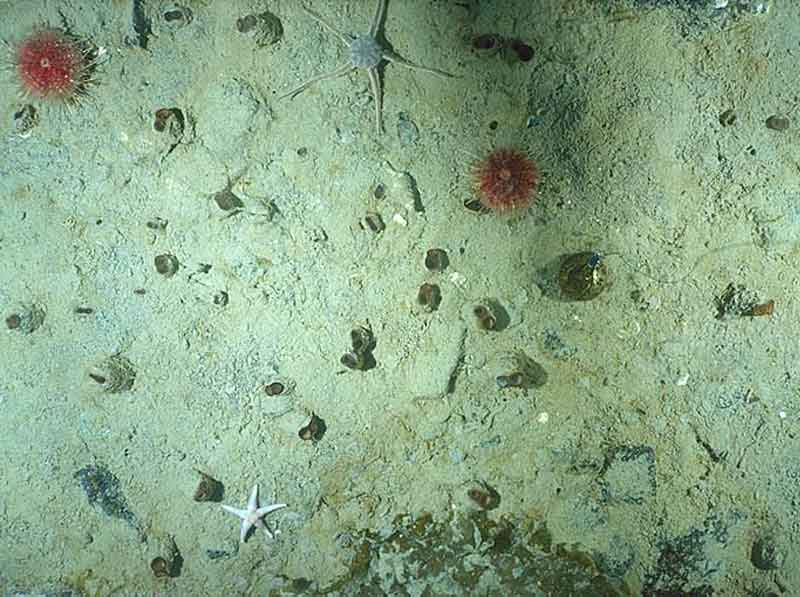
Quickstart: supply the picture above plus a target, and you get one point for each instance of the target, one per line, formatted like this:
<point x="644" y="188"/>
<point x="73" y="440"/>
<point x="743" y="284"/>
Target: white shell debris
<point x="404" y="187"/>
<point x="458" y="279"/>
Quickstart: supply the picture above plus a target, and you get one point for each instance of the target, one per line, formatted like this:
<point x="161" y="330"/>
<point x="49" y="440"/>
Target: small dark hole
<point x="486" y="42"/>
<point x="524" y="51"/>
<point x="157" y="224"/>
<point x="13" y="321"/>
<point x="173" y="15"/>
<point x="275" y="388"/>
<point x="98" y="378"/>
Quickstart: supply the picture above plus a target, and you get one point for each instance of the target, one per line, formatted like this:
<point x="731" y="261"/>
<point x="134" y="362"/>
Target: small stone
<point x="25" y="119"/>
<point x="373" y="222"/>
<point x="226" y="200"/>
<point x="407" y="130"/>
<point x="777" y="123"/>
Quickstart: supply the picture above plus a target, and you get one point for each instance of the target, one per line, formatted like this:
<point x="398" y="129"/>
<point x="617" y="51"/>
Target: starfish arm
<point x="380" y="11"/>
<point x="346" y="39"/>
<point x="375" y="85"/>
<point x="235" y="511"/>
<point x="264" y="510"/>
<point x="392" y="57"/>
<point x="252" y="503"/>
<point x="339" y="72"/>
<point x="246" y="526"/>
<point x="261" y="525"/>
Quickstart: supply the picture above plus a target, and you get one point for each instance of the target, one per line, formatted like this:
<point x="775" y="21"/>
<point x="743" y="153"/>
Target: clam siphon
<point x="362" y="339"/>
<point x="429" y="296"/>
<point x="265" y="28"/>
<point x="485" y="317"/>
<point x="26" y="318"/>
<point x="208" y="489"/>
<point x="116" y="374"/>
<point x="518" y="370"/>
<point x="313" y="430"/>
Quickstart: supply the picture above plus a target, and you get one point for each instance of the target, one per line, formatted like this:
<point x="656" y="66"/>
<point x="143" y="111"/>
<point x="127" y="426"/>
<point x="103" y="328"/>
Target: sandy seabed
<point x="163" y="278"/>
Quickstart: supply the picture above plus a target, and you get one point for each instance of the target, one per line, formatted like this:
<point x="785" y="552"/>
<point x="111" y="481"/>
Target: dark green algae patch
<point x="468" y="554"/>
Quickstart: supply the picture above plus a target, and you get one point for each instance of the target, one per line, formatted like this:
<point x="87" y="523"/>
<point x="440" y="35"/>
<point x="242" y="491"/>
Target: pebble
<point x="777" y="123"/>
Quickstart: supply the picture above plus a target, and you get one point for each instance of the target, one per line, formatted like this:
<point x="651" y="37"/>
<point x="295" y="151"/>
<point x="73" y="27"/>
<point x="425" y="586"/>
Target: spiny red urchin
<point x="54" y="64"/>
<point x="506" y="179"/>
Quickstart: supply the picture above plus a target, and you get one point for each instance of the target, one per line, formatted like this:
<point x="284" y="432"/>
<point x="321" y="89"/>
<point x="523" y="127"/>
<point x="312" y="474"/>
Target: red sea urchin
<point x="506" y="179"/>
<point x="52" y="63"/>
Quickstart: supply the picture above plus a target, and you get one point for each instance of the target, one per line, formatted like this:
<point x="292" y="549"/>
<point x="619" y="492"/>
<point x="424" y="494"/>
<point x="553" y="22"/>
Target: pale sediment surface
<point x="182" y="239"/>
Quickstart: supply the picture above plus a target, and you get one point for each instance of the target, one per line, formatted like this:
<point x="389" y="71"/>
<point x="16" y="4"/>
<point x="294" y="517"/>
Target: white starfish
<point x="251" y="517"/>
<point x="366" y="53"/>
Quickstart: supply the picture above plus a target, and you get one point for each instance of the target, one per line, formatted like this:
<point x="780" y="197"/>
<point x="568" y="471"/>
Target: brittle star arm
<point x="375" y="84"/>
<point x="346" y="39"/>
<point x="376" y="22"/>
<point x="392" y="57"/>
<point x="339" y="72"/>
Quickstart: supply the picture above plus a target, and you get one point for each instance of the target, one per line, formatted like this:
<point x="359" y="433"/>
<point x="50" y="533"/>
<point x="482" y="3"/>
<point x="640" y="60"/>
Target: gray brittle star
<point x="366" y="53"/>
